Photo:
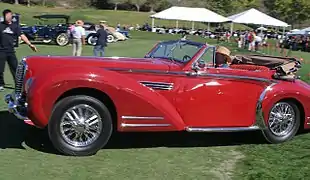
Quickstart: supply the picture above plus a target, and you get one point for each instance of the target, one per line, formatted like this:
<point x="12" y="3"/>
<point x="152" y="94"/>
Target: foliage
<point x="295" y="12"/>
<point x="292" y="11"/>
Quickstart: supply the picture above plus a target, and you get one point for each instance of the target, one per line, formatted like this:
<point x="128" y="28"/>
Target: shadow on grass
<point x="14" y="132"/>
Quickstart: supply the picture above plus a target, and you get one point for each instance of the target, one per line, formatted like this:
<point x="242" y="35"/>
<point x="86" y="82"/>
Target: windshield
<point x="181" y="51"/>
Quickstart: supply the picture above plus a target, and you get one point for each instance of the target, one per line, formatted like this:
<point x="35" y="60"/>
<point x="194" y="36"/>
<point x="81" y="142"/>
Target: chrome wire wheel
<point x="282" y="119"/>
<point x="62" y="39"/>
<point x="81" y="125"/>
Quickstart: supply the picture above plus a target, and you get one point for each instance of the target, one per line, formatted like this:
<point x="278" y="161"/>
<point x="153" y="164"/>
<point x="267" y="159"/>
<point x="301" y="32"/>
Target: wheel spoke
<point x="75" y="114"/>
<point x="94" y="117"/>
<point x="70" y="116"/>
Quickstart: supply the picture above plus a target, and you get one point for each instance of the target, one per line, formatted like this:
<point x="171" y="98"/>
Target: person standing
<point x="9" y="31"/>
<point x="78" y="38"/>
<point x="101" y="43"/>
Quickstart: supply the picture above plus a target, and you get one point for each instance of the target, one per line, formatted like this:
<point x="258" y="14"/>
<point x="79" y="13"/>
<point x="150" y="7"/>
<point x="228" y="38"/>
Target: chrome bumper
<point x="14" y="106"/>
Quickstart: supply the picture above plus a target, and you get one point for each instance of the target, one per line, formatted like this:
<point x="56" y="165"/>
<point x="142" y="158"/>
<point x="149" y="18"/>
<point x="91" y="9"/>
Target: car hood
<point x="39" y="63"/>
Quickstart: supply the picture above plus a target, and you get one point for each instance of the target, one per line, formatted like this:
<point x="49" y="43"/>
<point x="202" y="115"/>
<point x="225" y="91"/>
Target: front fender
<point x="129" y="97"/>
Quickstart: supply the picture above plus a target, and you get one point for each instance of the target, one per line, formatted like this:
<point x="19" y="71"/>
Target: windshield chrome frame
<point x="149" y="55"/>
<point x="193" y="65"/>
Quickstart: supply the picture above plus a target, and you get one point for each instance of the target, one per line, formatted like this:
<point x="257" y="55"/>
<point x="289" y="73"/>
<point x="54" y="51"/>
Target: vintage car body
<point x="160" y="92"/>
<point x="49" y="33"/>
<point x="91" y="30"/>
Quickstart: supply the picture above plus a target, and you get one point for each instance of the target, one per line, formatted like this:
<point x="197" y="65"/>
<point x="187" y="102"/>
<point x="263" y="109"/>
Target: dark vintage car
<point x="177" y="86"/>
<point x="48" y="33"/>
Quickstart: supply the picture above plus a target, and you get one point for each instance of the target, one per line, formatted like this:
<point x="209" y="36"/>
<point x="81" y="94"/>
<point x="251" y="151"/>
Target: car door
<point x="214" y="97"/>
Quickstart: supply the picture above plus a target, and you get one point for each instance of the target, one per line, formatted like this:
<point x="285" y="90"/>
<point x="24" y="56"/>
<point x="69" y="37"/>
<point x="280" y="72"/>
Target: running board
<point x="224" y="129"/>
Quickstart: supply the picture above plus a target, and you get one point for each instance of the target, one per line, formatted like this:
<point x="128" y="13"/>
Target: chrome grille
<point x="157" y="85"/>
<point x="19" y="77"/>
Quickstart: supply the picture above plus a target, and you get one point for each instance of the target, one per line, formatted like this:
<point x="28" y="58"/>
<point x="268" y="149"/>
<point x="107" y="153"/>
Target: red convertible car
<point x="178" y="86"/>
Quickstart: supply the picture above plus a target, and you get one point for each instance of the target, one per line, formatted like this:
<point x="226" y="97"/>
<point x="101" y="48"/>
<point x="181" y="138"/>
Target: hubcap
<point x="81" y="125"/>
<point x="282" y="119"/>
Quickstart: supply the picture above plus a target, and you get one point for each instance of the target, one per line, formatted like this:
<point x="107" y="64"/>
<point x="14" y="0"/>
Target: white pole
<point x="231" y="28"/>
<point x="208" y="26"/>
<point x="177" y="24"/>
<point x="283" y="32"/>
<point x="193" y="25"/>
<point x="153" y="24"/>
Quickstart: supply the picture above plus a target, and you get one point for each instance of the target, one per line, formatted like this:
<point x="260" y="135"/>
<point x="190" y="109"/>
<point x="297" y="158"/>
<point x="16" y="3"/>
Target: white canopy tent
<point x="189" y="14"/>
<point x="301" y="32"/>
<point x="253" y="16"/>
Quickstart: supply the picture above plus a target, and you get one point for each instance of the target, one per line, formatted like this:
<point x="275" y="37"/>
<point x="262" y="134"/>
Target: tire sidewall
<point x="110" y="38"/>
<point x="89" y="39"/>
<point x="270" y="137"/>
<point x="54" y="126"/>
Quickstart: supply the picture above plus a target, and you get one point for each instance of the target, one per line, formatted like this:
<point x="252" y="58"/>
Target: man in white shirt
<point x="78" y="35"/>
<point x="258" y="42"/>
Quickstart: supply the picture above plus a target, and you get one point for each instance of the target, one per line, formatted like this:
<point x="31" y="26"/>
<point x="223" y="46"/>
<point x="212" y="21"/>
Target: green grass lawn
<point x="26" y="153"/>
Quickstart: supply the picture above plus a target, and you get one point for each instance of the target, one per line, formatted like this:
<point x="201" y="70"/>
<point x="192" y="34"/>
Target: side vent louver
<point x="157" y="85"/>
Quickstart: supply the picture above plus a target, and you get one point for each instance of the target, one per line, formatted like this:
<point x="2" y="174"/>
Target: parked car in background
<point x="91" y="30"/>
<point x="50" y="28"/>
<point x="177" y="86"/>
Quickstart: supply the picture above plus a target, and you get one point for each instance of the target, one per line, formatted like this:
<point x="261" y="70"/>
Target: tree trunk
<point x="16" y="2"/>
<point x="138" y="7"/>
<point x="115" y="6"/>
<point x="152" y="9"/>
<point x="43" y="2"/>
<point x="28" y="3"/>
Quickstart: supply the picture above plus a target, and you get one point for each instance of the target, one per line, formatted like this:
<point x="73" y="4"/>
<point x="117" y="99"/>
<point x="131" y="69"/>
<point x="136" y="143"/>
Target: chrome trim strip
<point x="223" y="129"/>
<point x="308" y="123"/>
<point x="157" y="85"/>
<point x="145" y="125"/>
<point x="236" y="77"/>
<point x="143" y="117"/>
<point x="260" y="120"/>
<point x="183" y="73"/>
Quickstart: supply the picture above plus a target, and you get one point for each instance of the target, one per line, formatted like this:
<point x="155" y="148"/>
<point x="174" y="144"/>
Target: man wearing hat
<point x="9" y="31"/>
<point x="101" y="43"/>
<point x="78" y="38"/>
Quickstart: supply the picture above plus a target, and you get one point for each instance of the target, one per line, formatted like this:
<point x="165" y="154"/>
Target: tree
<point x="292" y="11"/>
<point x="117" y="2"/>
<point x="157" y="4"/>
<point x="138" y="3"/>
<point x="16" y="2"/>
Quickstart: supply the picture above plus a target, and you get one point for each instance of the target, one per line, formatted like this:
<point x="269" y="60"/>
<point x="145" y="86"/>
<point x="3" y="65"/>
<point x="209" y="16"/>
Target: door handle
<point x="190" y="73"/>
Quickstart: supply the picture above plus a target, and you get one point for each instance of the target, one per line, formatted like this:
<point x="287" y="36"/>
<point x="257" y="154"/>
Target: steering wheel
<point x="186" y="58"/>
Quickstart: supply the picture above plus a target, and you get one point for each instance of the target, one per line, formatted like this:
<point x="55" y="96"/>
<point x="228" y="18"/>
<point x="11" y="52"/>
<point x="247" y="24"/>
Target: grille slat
<point x="19" y="77"/>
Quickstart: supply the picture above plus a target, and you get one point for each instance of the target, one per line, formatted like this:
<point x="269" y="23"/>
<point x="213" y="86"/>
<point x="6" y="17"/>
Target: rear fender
<point x="278" y="92"/>
<point x="130" y="98"/>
